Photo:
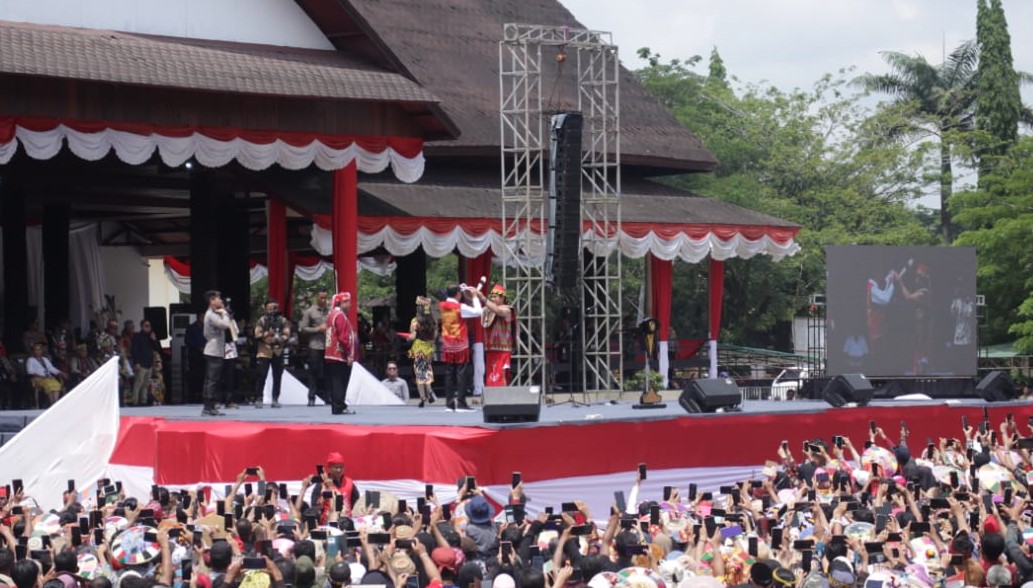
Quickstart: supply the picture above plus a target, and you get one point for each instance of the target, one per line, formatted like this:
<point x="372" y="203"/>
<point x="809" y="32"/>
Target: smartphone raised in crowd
<point x="642" y="471"/>
<point x="618" y="497"/>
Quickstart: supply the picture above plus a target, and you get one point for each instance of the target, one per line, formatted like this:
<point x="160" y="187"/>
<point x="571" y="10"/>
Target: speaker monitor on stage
<point x="512" y="404"/>
<point x="848" y="388"/>
<point x="996" y="387"/>
<point x="710" y="395"/>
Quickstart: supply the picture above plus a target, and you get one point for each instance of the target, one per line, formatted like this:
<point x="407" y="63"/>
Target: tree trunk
<point x="946" y="188"/>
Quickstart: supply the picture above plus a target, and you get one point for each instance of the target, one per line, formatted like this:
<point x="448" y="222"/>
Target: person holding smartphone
<point x="334" y="481"/>
<point x="480" y="527"/>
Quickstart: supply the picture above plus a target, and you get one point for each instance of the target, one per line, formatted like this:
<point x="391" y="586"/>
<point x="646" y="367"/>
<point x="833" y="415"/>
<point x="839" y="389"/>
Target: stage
<point x="573" y="451"/>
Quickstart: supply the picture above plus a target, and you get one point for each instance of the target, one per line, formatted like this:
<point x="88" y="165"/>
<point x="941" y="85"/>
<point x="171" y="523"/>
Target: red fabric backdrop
<point x="660" y="272"/>
<point x="408" y="147"/>
<point x="185" y="452"/>
<point x="276" y="254"/>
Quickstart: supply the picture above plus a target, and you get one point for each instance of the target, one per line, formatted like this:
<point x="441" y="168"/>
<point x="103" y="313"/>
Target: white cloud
<point x="792" y="43"/>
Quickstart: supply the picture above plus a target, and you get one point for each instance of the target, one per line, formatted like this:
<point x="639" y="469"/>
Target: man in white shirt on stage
<point x="396" y="385"/>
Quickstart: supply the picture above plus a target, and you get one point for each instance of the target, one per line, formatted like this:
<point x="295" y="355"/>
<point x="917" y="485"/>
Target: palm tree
<point x="940" y="102"/>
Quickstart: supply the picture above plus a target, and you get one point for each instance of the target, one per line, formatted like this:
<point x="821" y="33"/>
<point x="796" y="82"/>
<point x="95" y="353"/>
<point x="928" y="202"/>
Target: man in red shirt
<point x="334" y="479"/>
<point x="340" y="351"/>
<point x="455" y="342"/>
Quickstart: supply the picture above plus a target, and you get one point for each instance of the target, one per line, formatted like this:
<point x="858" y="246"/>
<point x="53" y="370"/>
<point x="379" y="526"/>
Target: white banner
<point x="72" y="440"/>
<point x="292" y="391"/>
<point x="365" y="388"/>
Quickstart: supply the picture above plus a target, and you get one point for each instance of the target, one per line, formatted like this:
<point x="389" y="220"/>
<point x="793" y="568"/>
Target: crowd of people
<point x="955" y="513"/>
<point x="52" y="364"/>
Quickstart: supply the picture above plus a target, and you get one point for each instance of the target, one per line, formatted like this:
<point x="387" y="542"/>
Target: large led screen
<point x="901" y="311"/>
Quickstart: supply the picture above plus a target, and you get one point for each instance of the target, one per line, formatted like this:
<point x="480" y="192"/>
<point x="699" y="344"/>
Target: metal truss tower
<point x="525" y="197"/>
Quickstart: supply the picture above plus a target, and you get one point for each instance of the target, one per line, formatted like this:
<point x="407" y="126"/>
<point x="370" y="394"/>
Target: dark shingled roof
<point x="451" y="47"/>
<point x="109" y="56"/>
<point x="471" y="195"/>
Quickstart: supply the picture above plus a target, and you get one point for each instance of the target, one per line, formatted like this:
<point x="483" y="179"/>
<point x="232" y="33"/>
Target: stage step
<point x="11" y="425"/>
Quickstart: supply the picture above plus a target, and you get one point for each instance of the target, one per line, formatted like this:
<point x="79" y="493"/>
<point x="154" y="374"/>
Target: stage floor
<point x="552" y="415"/>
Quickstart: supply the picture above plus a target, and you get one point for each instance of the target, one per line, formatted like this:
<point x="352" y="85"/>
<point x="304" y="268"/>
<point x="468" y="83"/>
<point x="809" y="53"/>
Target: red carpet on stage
<point x="183" y="452"/>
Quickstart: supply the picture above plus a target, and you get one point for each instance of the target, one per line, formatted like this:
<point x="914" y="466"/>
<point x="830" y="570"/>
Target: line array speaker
<point x="565" y="196"/>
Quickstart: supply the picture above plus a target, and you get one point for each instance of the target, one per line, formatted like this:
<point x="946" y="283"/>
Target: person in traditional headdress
<point x="498" y="337"/>
<point x="423" y="330"/>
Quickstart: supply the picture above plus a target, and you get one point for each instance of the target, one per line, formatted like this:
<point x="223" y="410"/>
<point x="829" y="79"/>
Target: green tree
<point x="999" y="104"/>
<point x="1000" y="219"/>
<point x="717" y="75"/>
<point x="813" y="157"/>
<point x="937" y="101"/>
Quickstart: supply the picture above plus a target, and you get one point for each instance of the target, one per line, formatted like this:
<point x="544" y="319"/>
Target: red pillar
<point x="346" y="234"/>
<point x="276" y="250"/>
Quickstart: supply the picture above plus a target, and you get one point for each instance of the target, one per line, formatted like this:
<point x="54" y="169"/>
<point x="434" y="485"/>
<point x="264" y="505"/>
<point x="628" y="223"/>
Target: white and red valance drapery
<point x="473" y="236"/>
<point x="307" y="268"/>
<point x="135" y="143"/>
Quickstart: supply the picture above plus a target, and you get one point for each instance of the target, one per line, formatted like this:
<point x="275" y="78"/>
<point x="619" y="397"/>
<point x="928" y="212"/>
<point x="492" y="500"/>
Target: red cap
<point x="334" y="458"/>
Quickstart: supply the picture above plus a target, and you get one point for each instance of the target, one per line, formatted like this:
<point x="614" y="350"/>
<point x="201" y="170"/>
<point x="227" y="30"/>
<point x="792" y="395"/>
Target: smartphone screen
<point x="428" y="491"/>
<point x="692" y="492"/>
<point x="517" y="478"/>
<point x="776" y="538"/>
<point x="872" y="427"/>
<point x="753" y="546"/>
<point x="642" y="471"/>
<point x="622" y="505"/>
<point x="319" y="469"/>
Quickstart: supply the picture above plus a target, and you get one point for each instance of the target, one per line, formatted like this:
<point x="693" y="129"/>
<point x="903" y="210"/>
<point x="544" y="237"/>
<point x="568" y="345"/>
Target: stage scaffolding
<point x="525" y="197"/>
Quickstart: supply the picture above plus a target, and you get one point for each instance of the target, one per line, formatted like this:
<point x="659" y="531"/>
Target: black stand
<point x="649" y="397"/>
<point x="574" y="355"/>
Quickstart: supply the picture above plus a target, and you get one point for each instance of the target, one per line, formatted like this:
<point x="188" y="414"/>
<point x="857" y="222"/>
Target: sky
<point x="792" y="43"/>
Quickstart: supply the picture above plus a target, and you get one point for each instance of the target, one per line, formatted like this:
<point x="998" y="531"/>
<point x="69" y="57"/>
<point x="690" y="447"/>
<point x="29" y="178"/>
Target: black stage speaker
<point x="565" y="194"/>
<point x="512" y="404"/>
<point x="159" y="318"/>
<point x="996" y="387"/>
<point x="708" y="395"/>
<point x="847" y="388"/>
